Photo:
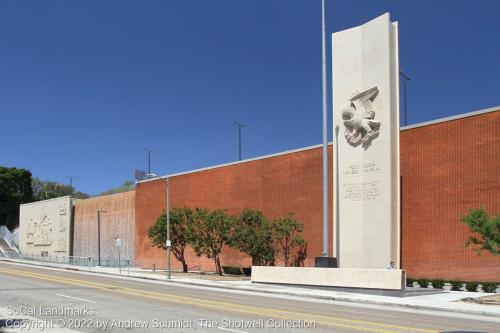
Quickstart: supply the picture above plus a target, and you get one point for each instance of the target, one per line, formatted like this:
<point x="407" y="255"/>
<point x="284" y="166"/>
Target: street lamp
<point x="149" y="151"/>
<point x="71" y="182"/>
<point x="405" y="82"/>
<point x="240" y="126"/>
<point x="168" y="243"/>
<point x="99" y="236"/>
<point x="118" y="244"/>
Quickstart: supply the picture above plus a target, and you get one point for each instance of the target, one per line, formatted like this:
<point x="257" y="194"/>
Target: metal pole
<point x="239" y="145"/>
<point x="149" y="160"/>
<point x="119" y="263"/>
<point x="98" y="238"/>
<point x="325" y="136"/>
<point x="168" y="228"/>
<point x="405" y="81"/>
<point x="240" y="126"/>
<point x="406" y="105"/>
<point x="71" y="182"/>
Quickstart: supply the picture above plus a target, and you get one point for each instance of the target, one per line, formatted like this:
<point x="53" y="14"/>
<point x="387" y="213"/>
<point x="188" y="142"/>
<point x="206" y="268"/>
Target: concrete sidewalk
<point x="448" y="301"/>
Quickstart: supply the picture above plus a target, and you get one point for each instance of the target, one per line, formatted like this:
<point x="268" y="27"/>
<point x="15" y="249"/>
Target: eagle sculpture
<point x="358" y="116"/>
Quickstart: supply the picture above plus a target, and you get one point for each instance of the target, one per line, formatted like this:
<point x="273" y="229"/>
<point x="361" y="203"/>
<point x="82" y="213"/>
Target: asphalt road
<point x="95" y="303"/>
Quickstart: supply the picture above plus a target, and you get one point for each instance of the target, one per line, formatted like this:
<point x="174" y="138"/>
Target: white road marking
<point x="80" y="299"/>
<point x="230" y="330"/>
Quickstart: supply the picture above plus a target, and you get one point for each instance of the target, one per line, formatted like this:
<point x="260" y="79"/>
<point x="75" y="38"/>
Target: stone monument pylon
<point x="366" y="145"/>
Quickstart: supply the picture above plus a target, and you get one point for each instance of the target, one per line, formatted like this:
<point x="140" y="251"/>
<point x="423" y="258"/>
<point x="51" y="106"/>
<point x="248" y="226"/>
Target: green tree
<point x="486" y="231"/>
<point x="212" y="230"/>
<point x="287" y="236"/>
<point x="181" y="232"/>
<point x="127" y="185"/>
<point x="44" y="190"/>
<point x="15" y="189"/>
<point x="301" y="255"/>
<point x="253" y="234"/>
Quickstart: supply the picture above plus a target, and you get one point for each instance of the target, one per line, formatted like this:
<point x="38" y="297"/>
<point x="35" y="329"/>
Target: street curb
<point x="287" y="293"/>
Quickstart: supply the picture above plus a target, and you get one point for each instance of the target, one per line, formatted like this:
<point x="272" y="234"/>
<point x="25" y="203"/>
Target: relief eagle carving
<point x="358" y="116"/>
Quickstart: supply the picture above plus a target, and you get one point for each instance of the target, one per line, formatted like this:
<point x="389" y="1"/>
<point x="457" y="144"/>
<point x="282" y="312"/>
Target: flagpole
<point x="325" y="137"/>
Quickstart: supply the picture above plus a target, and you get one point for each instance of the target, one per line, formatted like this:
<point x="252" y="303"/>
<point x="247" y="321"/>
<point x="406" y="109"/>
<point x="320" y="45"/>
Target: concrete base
<point x="364" y="291"/>
<point x="360" y="278"/>
<point x="408" y="292"/>
<point x="325" y="262"/>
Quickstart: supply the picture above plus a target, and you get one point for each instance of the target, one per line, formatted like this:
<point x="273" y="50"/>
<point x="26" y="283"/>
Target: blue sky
<point x="86" y="85"/>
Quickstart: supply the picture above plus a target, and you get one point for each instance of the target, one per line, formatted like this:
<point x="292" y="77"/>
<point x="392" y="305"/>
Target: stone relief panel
<point x="44" y="227"/>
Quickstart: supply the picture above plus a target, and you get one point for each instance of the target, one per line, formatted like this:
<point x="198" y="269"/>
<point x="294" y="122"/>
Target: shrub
<point x="489" y="287"/>
<point x="247" y="271"/>
<point x="423" y="283"/>
<point x="456" y="285"/>
<point x="231" y="270"/>
<point x="471" y="286"/>
<point x="409" y="282"/>
<point x="438" y="284"/>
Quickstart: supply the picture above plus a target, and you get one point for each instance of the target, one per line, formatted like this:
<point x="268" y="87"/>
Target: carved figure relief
<point x="358" y="116"/>
<point x="30" y="233"/>
<point x="43" y="232"/>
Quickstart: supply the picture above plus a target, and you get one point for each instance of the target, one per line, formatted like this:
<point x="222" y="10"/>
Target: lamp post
<point x="168" y="243"/>
<point x="149" y="160"/>
<point x="405" y="81"/>
<point x="240" y="126"/>
<point x="118" y="243"/>
<point x="99" y="236"/>
<point x="71" y="182"/>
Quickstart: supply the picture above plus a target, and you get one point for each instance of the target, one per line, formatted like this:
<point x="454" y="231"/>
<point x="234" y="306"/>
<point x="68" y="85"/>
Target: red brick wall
<point x="446" y="169"/>
<point x="280" y="185"/>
